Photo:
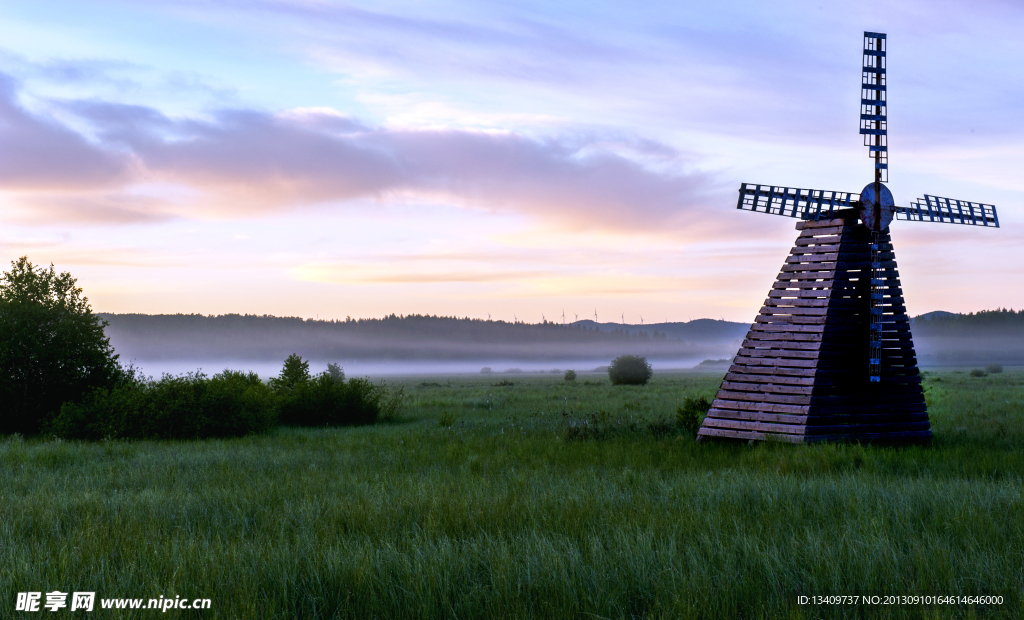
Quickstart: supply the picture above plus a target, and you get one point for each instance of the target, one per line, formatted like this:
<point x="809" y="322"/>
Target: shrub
<point x="52" y="347"/>
<point x="691" y="414"/>
<point x="570" y="376"/>
<point x="190" y="406"/>
<point x="486" y="370"/>
<point x="330" y="400"/>
<point x="994" y="369"/>
<point x="630" y="370"/>
<point x="102" y="414"/>
<point x="977" y="372"/>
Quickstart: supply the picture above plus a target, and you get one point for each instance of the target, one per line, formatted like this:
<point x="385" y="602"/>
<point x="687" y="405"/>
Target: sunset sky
<point x="331" y="159"/>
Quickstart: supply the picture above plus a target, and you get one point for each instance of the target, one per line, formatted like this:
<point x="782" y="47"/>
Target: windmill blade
<point x="806" y="204"/>
<point x="873" y="116"/>
<point x="949" y="211"/>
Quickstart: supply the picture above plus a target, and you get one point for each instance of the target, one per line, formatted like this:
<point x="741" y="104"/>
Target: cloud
<point x="40" y="153"/>
<point x="239" y="162"/>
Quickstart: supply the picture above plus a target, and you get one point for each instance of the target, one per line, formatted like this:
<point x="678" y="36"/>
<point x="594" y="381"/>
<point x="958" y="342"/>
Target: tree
<point x="336" y="372"/>
<point x="52" y="347"/>
<point x="294" y="373"/>
<point x="630" y="370"/>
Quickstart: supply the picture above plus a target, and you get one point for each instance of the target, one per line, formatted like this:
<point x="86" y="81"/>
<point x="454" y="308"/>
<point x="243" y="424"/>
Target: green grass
<point x="487" y="501"/>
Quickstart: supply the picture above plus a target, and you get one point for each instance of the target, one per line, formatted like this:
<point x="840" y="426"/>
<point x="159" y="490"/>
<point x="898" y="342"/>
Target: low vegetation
<point x="481" y="503"/>
<point x="630" y="370"/>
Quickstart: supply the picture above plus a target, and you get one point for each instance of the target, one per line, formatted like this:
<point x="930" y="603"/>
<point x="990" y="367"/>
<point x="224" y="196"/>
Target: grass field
<point x="538" y="499"/>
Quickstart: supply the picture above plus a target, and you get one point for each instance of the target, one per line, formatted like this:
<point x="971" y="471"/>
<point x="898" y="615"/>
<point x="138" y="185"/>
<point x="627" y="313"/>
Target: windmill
<point x="830" y="355"/>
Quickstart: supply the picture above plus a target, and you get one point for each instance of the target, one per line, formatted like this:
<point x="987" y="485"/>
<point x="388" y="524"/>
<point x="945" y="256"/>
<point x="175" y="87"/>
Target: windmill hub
<point x="876" y="214"/>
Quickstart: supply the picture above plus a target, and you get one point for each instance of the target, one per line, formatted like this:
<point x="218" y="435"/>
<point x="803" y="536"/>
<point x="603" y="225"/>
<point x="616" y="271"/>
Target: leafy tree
<point x="570" y="376"/>
<point x="294" y="374"/>
<point x="336" y="372"/>
<point x="52" y="347"/>
<point x="630" y="370"/>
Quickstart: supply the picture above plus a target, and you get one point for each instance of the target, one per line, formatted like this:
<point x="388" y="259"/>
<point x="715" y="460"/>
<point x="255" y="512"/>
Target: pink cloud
<point x="245" y="160"/>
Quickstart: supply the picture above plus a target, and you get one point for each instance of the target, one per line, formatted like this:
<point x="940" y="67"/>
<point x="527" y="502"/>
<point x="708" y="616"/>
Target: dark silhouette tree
<point x="52" y="347"/>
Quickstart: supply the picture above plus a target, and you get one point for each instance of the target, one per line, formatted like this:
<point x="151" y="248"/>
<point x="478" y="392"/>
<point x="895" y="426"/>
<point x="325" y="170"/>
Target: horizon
<point x="319" y="159"/>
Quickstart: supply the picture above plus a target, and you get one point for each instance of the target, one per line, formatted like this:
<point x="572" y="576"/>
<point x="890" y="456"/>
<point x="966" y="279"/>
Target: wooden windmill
<point x="830" y="356"/>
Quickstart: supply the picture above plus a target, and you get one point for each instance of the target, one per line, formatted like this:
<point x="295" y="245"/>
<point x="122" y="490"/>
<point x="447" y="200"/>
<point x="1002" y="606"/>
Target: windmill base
<point x="802" y="372"/>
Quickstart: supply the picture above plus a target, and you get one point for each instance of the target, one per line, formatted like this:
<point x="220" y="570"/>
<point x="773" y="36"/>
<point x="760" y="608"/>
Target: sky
<point x="515" y="160"/>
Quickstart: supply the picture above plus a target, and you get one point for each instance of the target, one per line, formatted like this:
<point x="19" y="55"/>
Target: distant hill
<point x="414" y="337"/>
<point x="947" y="338"/>
<point x="941" y="338"/>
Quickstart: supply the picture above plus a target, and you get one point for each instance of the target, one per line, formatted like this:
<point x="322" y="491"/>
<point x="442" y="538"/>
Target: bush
<point x="994" y="369"/>
<point x="691" y="414"/>
<point x="977" y="372"/>
<point x="570" y="376"/>
<point x="52" y="347"/>
<point x="330" y="400"/>
<point x="190" y="406"/>
<point x="630" y="370"/>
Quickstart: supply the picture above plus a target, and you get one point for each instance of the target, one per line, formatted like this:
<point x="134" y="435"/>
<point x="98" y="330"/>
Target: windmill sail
<point x="949" y="211"/>
<point x="805" y="204"/>
<point x="873" y="123"/>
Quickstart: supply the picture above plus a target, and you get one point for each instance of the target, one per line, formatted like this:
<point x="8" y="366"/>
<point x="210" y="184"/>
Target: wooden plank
<point x="758" y="416"/>
<point x="721" y="433"/>
<point x="785" y="345"/>
<point x="803" y="337"/>
<point x="764" y="388"/>
<point x="823" y="267"/>
<point x="782" y="328"/>
<point x="866" y="428"/>
<point x="795" y="303"/>
<point x="764" y="427"/>
<point x="822" y="239"/>
<point x="817" y="225"/>
<point x="866" y="418"/>
<point x="770" y="370"/>
<point x="763" y="407"/>
<point x="772" y="362"/>
<point x="781" y="354"/>
<point x="784" y="399"/>
<point x="800" y="293"/>
<point x="773" y="379"/>
<point x="793" y="310"/>
<point x="792" y="320"/>
<point x="811" y="258"/>
<point x="868" y="409"/>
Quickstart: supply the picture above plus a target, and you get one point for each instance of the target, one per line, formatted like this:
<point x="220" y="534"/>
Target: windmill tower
<point x="830" y="356"/>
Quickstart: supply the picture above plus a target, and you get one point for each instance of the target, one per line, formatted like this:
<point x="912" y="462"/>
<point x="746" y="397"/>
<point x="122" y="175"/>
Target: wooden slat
<point x="763" y="407"/>
<point x="764" y="388"/>
<point x="822" y="239"/>
<point x="764" y="427"/>
<point x="770" y="370"/>
<point x="732" y="434"/>
<point x="772" y="379"/>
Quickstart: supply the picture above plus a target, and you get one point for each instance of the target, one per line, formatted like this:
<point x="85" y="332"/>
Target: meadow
<point x="513" y="496"/>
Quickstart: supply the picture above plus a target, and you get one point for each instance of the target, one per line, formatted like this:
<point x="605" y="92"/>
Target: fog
<point x="398" y="368"/>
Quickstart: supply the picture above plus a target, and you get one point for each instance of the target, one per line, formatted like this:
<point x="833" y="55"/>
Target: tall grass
<point x="496" y="514"/>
